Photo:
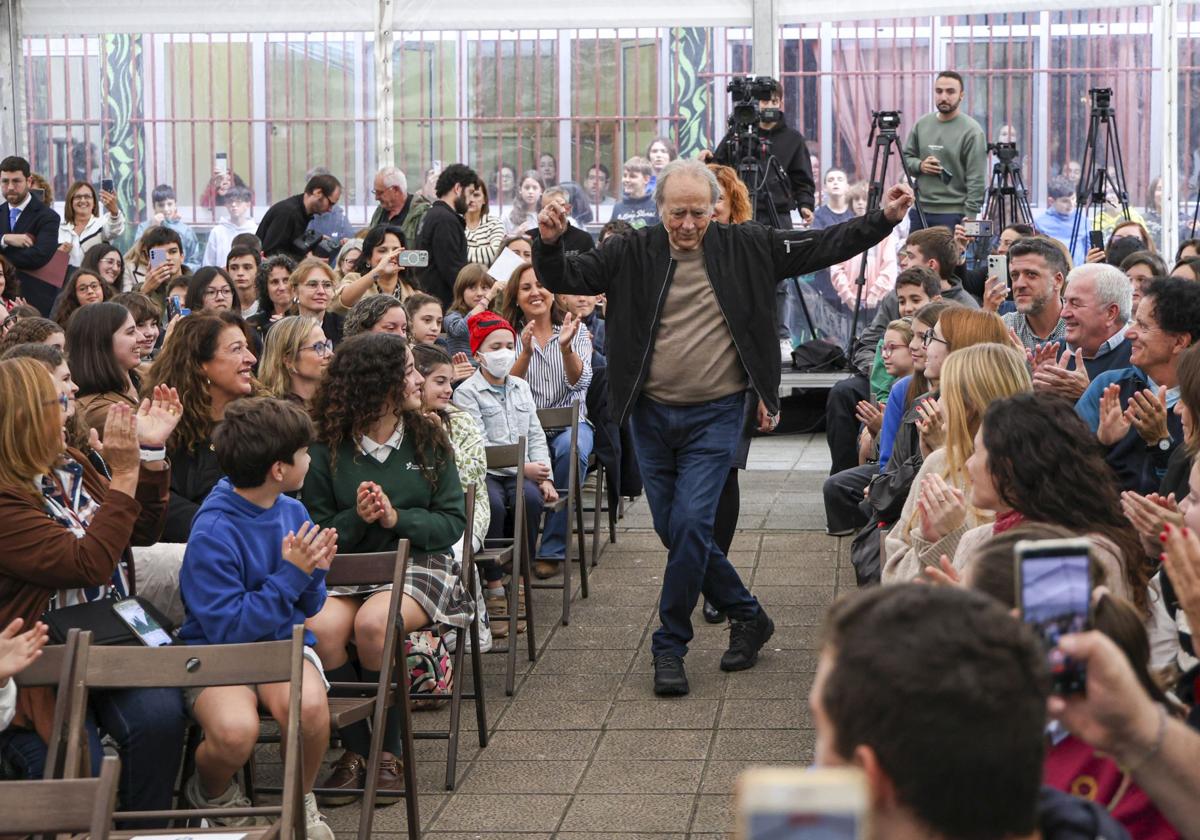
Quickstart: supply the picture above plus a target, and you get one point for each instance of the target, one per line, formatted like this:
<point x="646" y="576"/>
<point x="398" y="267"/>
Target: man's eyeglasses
<point x="321" y="348"/>
<point x="930" y="338"/>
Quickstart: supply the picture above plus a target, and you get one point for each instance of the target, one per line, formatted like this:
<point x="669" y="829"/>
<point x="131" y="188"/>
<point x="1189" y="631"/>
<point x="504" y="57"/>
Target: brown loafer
<point x="349" y="771"/>
<point x="390" y="783"/>
<point x="543" y="569"/>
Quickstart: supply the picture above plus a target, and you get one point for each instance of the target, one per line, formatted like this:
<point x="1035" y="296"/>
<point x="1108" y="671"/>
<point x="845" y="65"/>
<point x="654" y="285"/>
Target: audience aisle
<point x="585" y="750"/>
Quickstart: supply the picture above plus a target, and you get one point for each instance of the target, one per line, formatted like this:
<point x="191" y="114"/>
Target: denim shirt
<point x="504" y="419"/>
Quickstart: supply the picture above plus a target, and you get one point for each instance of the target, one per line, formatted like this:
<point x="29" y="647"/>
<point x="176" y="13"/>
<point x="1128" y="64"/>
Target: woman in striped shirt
<point x="554" y="355"/>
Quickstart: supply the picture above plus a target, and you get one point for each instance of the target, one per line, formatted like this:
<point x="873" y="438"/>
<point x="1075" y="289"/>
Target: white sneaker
<point x="233" y="797"/>
<point x="314" y="820"/>
<point x="785" y="349"/>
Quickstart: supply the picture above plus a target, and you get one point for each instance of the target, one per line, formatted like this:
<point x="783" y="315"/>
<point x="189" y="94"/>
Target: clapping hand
<point x="1147" y="412"/>
<point x="568" y="331"/>
<point x="943" y="508"/>
<point x="18" y="650"/>
<point x="1181" y="556"/>
<point x="121" y="450"/>
<point x="1055" y="378"/>
<point x="463" y="369"/>
<point x="943" y="574"/>
<point x="870" y="415"/>
<point x="373" y="505"/>
<point x="931" y="424"/>
<point x="158" y="416"/>
<point x="1114" y="423"/>
<point x="310" y="549"/>
<point x="1150" y="515"/>
<point x="527" y="339"/>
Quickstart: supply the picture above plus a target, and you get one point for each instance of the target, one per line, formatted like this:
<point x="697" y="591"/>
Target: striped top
<point x="547" y="377"/>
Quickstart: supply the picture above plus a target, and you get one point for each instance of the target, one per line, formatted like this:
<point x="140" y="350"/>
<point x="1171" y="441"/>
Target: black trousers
<point x="843" y="494"/>
<point x="841" y="426"/>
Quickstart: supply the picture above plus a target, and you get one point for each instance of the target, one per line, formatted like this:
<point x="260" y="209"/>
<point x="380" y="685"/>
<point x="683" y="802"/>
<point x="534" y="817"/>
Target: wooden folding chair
<point x="568" y="500"/>
<point x="600" y="505"/>
<point x="53" y="806"/>
<point x="193" y="666"/>
<point x="516" y="550"/>
<point x="55" y="667"/>
<point x="457" y="695"/>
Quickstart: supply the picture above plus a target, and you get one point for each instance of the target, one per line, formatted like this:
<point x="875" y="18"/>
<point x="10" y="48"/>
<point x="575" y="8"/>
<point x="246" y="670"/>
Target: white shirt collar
<point x="381" y="451"/>
<point x="23" y="204"/>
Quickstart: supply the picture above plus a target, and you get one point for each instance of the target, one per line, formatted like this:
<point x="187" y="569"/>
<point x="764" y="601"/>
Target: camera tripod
<point x="883" y="140"/>
<point x="1102" y="149"/>
<point x="1006" y="202"/>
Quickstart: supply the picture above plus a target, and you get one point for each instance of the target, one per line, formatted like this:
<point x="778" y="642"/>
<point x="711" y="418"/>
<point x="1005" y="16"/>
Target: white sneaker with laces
<point x="317" y="827"/>
<point x="233" y="797"/>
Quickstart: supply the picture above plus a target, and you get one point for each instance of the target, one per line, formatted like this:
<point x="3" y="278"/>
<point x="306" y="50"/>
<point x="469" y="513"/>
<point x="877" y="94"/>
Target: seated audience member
<point x="474" y="290"/>
<point x="312" y="285"/>
<point x="914" y="288"/>
<point x="616" y="227"/>
<point x="33" y="330"/>
<point x="166" y="215"/>
<point x="83" y="225"/>
<point x="376" y="313"/>
<point x="1187" y="270"/>
<point x="882" y="267"/>
<point x="82" y="288"/>
<point x="209" y="356"/>
<point x="554" y="355"/>
<point x="521" y="245"/>
<point x="275" y="298"/>
<point x="1058" y="219"/>
<point x="971" y="379"/>
<point x="66" y="531"/>
<point x="10" y="286"/>
<point x="140" y="276"/>
<point x="636" y="207"/>
<point x="376" y="271"/>
<point x="55" y="362"/>
<point x="1038" y="270"/>
<point x="254" y="568"/>
<point x="1141" y="267"/>
<point x="1071" y="764"/>
<point x="241" y="263"/>
<point x="575" y="239"/>
<point x="1095" y="310"/>
<point x="991" y="292"/>
<point x="1188" y="249"/>
<point x="424" y="318"/>
<point x="347" y="256"/>
<point x="969" y="703"/>
<point x="526" y="203"/>
<point x="103" y="343"/>
<point x="295" y="358"/>
<point x="105" y="259"/>
<point x="239" y="205"/>
<point x="503" y="406"/>
<point x="933" y="248"/>
<point x="210" y="288"/>
<point x="442" y="232"/>
<point x="17" y="652"/>
<point x="148" y="319"/>
<point x="484" y="233"/>
<point x="382" y="471"/>
<point x="896" y="355"/>
<point x="586" y="309"/>
<point x="1129" y="409"/>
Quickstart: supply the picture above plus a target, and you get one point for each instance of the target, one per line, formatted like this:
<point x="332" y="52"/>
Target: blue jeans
<point x="684" y="453"/>
<point x="554" y="545"/>
<point x="148" y="726"/>
<point x="946" y="220"/>
<point x="502" y="496"/>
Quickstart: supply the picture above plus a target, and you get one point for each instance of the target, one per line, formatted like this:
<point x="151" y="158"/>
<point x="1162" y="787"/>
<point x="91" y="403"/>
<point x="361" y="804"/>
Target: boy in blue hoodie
<point x="255" y="567"/>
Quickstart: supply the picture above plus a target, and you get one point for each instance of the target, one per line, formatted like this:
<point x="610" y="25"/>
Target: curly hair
<point x="263" y="278"/>
<point x="1031" y="436"/>
<point x="12" y="282"/>
<point x="29" y="331"/>
<point x="193" y="342"/>
<point x="365" y="314"/>
<point x="365" y="380"/>
<point x="68" y="301"/>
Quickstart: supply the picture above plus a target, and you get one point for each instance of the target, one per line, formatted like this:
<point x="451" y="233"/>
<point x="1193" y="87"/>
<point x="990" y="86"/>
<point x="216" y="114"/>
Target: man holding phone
<point x="28" y="234"/>
<point x="946" y="153"/>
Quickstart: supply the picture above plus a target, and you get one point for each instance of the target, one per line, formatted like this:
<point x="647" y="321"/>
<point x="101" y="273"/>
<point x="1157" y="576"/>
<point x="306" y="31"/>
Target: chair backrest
<point x="559" y="418"/>
<point x="61" y="805"/>
<point x="368" y="569"/>
<point x="55" y="667"/>
<point x="512" y="456"/>
<point x="468" y="543"/>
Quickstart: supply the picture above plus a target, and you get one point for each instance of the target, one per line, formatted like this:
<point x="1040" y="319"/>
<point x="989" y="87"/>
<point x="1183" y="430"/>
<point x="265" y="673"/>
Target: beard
<point x="460" y="205"/>
<point x="946" y="107"/>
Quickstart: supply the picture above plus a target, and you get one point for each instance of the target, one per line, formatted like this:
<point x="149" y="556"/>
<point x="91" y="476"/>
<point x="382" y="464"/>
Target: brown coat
<point x="41" y="556"/>
<point x="94" y="407"/>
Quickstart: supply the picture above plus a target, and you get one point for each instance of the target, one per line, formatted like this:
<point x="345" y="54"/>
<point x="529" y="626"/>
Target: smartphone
<point x="979" y="228"/>
<point x="106" y="185"/>
<point x="413" y="259"/>
<point x="1096" y="239"/>
<point x="158" y="256"/>
<point x="175" y="307"/>
<point x="998" y="267"/>
<point x="1054" y="593"/>
<point x="142" y="623"/>
<point x="221" y="164"/>
<point x="38" y="193"/>
<point x="795" y="803"/>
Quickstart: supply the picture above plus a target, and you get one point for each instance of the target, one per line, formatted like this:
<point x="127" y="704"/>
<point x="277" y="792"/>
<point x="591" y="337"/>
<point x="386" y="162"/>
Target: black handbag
<point x="106" y="626"/>
<point x="818" y="356"/>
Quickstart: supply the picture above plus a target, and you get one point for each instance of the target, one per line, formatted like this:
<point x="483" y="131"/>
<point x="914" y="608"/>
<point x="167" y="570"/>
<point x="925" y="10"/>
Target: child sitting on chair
<point x="255" y="567"/>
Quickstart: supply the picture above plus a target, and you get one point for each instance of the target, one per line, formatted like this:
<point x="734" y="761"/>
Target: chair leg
<point x="455" y="712"/>
<point x="477" y="679"/>
<point x="597" y="504"/>
<point x="527" y="580"/>
<point x="566" y="565"/>
<point x="514" y="605"/>
<point x="580" y="554"/>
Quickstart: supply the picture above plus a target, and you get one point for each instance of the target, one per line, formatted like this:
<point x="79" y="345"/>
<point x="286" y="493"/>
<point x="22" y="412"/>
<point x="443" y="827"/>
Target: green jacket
<point x="432" y="518"/>
<point x="417" y="207"/>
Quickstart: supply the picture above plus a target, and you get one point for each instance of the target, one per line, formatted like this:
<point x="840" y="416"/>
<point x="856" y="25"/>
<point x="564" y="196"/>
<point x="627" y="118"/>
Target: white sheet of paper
<point x="505" y="265"/>
<point x="188" y="837"/>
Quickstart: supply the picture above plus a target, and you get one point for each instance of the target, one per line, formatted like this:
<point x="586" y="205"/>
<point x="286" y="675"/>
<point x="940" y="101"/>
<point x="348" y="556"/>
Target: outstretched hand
<point x="896" y="202"/>
<point x="552" y="223"/>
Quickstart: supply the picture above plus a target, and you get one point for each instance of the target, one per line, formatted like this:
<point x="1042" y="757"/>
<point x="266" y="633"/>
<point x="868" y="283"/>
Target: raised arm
<point x="589" y="273"/>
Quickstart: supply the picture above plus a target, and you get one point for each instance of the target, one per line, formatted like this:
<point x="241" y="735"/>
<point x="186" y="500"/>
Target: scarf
<point x="1007" y="521"/>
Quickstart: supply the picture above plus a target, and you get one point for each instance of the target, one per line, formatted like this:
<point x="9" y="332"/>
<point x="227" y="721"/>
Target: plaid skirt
<point x="434" y="581"/>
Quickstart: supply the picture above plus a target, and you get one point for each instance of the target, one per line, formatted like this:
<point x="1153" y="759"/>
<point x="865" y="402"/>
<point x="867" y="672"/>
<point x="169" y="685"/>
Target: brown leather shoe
<point x="349" y="771"/>
<point x="543" y="569"/>
<point x="391" y="779"/>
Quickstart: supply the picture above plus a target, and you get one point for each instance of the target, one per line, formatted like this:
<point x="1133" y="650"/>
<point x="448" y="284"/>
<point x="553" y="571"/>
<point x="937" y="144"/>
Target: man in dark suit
<point x="28" y="232"/>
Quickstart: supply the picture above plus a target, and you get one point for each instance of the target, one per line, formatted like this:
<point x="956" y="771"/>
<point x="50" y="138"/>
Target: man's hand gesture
<point x="552" y="222"/>
<point x="896" y="202"/>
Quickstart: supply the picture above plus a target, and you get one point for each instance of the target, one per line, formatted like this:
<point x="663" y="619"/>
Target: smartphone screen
<point x="142" y="624"/>
<point x="221" y="163"/>
<point x="778" y="803"/>
<point x="1055" y="585"/>
<point x="1096" y="239"/>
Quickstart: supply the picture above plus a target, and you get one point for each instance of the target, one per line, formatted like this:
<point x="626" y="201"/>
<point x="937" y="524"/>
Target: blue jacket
<point x="892" y="415"/>
<point x="1139" y="466"/>
<point x="235" y="584"/>
<point x="1059" y="227"/>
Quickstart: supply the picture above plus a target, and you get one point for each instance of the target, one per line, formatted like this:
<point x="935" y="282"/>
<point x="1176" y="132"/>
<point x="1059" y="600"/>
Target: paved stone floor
<point x="584" y="749"/>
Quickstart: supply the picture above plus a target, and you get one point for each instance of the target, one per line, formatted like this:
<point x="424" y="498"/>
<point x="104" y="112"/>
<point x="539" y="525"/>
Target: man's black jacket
<point x="788" y="147"/>
<point x="282" y="225"/>
<point x="443" y="235"/>
<point x="745" y="263"/>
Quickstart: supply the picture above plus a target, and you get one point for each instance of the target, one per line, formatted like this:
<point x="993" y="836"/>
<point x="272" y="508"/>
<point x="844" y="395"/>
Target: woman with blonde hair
<point x="295" y="356"/>
<point x="313" y="283"/>
<point x="733" y="205"/>
<point x="971" y="379"/>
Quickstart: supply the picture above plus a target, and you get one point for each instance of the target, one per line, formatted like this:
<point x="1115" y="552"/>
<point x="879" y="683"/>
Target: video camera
<point x="1101" y="99"/>
<point x="1004" y="152"/>
<point x="747" y="92"/>
<point x="314" y="243"/>
<point x="885" y="122"/>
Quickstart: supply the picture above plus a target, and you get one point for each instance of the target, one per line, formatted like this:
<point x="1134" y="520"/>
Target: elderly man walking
<point x="691" y="314"/>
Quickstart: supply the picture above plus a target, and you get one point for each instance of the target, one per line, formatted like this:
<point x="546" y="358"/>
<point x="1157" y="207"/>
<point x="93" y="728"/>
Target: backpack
<point x="818" y="356"/>
<point x="430" y="670"/>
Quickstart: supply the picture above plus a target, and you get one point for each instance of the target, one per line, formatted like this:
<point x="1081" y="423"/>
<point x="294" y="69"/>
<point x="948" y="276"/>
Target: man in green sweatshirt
<point x="946" y="153"/>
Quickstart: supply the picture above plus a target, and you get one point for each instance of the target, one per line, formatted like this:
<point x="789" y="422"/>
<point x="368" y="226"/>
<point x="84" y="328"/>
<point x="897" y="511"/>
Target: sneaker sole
<point x="337" y="801"/>
<point x="754" y="660"/>
<point x="671" y="690"/>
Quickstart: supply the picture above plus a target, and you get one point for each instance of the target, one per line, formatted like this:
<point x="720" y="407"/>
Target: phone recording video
<point x="793" y="803"/>
<point x="1054" y="590"/>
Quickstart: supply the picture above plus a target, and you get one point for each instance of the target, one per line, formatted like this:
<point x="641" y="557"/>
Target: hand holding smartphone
<point x="1054" y="594"/>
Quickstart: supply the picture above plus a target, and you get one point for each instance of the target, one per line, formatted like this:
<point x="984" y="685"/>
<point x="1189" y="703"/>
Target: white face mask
<point x="499" y="362"/>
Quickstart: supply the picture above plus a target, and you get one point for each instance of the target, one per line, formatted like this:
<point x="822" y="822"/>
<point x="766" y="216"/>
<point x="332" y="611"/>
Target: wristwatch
<point x="1164" y="444"/>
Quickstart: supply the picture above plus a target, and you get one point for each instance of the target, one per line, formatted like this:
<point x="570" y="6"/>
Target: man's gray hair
<point x="550" y="192"/>
<point x="1112" y="286"/>
<point x="393" y="177"/>
<point x="692" y="168"/>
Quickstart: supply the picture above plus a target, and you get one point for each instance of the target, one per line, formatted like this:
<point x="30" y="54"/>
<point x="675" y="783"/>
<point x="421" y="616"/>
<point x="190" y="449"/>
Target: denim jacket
<point x="504" y="419"/>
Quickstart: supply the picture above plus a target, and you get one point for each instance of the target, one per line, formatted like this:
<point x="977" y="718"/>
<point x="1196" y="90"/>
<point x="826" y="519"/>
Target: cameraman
<point x="285" y="222"/>
<point x="787" y="146"/>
